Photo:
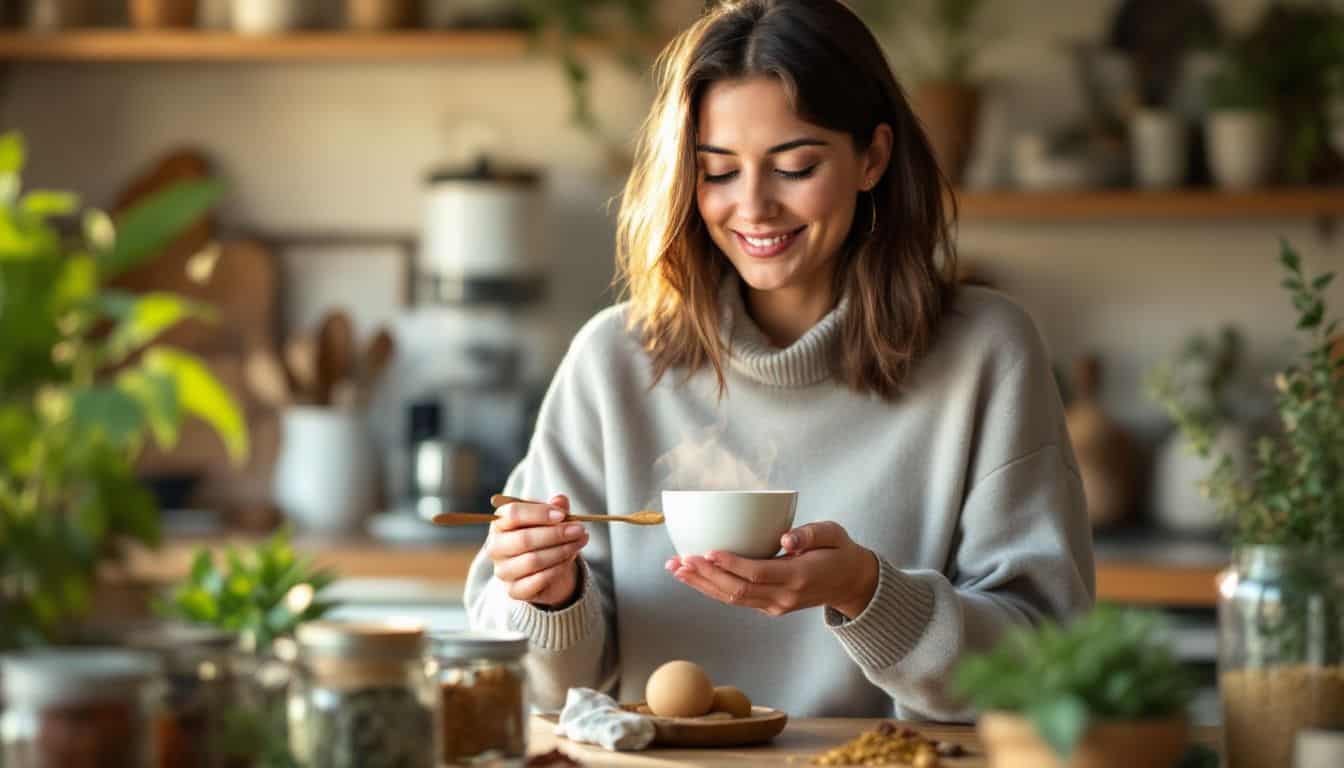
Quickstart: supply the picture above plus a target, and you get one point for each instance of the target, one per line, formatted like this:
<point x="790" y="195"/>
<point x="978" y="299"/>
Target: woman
<point x="784" y="244"/>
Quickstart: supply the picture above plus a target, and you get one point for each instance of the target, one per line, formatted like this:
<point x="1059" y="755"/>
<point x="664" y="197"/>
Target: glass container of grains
<point x="79" y="708"/>
<point x="483" y="690"/>
<point x="362" y="697"/>
<point x="201" y="691"/>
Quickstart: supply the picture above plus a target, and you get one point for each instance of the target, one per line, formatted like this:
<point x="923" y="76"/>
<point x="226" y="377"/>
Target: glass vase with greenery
<point x="1281" y="604"/>
<point x="84" y="388"/>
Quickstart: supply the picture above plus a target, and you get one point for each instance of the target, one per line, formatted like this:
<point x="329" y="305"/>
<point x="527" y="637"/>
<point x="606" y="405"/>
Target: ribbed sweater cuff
<point x="891" y="625"/>
<point x="560" y="630"/>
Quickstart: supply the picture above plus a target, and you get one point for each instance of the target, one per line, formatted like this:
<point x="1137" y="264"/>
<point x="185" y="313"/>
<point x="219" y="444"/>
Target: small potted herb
<point x="1104" y="691"/>
<point x="1240" y="130"/>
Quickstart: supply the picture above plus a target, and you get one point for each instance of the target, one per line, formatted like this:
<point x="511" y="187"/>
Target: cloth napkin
<point x="595" y="718"/>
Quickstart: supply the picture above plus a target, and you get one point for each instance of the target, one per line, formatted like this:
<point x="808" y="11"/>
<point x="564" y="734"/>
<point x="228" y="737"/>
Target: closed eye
<point x="719" y="178"/>
<point x="803" y="174"/>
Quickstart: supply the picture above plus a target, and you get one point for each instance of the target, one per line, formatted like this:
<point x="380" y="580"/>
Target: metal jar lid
<point x="166" y="637"/>
<point x="69" y="675"/>
<point x="496" y="646"/>
<point x="361" y="639"/>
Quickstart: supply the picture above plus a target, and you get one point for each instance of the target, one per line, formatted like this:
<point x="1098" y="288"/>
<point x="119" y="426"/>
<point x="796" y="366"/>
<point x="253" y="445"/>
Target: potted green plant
<point x="1193" y="385"/>
<point x="83" y="389"/>
<point x="1281" y="604"/>
<point x="945" y="39"/>
<point x="1104" y="691"/>
<point x="1239" y="130"/>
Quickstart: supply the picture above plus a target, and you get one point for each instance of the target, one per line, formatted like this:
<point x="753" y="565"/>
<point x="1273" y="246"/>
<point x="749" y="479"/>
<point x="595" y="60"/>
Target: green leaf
<point x="107" y="411"/>
<point x="49" y="203"/>
<point x="1320" y="283"/>
<point x="157" y="396"/>
<point x="12" y="152"/>
<point x="200" y="394"/>
<point x="1061" y="722"/>
<point x="201" y="565"/>
<point x="142" y="320"/>
<point x="77" y="283"/>
<point x="151" y="225"/>
<point x="1288" y="257"/>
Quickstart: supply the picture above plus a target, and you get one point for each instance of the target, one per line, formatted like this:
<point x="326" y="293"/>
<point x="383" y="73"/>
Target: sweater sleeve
<point x="573" y="646"/>
<point x="1024" y="553"/>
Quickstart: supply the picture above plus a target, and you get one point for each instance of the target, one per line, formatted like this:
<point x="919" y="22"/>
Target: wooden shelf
<point x="1120" y="578"/>
<point x="104" y="45"/>
<point x="1014" y="205"/>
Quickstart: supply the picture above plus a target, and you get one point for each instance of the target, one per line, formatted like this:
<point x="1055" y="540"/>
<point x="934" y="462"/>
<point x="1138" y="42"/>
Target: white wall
<point x="344" y="146"/>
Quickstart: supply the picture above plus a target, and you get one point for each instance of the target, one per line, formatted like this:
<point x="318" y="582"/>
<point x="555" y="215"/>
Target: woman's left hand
<point x="821" y="565"/>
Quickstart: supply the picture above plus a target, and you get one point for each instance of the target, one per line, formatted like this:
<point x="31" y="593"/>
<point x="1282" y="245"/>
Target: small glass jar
<point x="80" y="708"/>
<point x="362" y="697"/>
<point x="484" y="702"/>
<point x="202" y="692"/>
<point x="1280" y="651"/>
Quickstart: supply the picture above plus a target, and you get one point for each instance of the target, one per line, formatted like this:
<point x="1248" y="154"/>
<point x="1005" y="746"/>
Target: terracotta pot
<point x="948" y="112"/>
<point x="1105" y="452"/>
<point x="377" y="14"/>
<point x="1011" y="741"/>
<point x="162" y="14"/>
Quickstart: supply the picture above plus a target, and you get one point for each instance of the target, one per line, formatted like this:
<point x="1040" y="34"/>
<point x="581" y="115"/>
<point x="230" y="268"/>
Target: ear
<point x="876" y="158"/>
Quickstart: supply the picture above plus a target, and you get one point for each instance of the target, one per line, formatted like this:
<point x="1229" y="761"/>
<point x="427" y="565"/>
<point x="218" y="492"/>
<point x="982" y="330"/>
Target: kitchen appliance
<point x="445" y="476"/>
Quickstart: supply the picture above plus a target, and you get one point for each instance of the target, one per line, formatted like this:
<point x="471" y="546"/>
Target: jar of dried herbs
<point x="362" y="697"/>
<point x="483" y="686"/>
<point x="79" y="708"/>
<point x="201" y="692"/>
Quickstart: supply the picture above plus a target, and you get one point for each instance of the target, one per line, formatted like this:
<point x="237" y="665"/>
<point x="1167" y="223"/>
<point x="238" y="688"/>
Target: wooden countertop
<point x="1131" y="570"/>
<point x="801" y="740"/>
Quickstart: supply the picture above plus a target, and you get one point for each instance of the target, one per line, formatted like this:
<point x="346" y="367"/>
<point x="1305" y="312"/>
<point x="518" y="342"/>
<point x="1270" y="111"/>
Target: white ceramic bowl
<point x="746" y="523"/>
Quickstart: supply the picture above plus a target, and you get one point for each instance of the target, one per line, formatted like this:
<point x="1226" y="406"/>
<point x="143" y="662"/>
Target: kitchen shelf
<point x="1016" y="205"/>
<point x="185" y="46"/>
<point x="1163" y="579"/>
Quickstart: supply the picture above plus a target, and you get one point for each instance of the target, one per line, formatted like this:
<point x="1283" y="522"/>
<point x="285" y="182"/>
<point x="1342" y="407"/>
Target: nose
<point x="758" y="202"/>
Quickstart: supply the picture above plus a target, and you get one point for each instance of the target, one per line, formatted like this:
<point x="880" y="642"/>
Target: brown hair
<point x="836" y="77"/>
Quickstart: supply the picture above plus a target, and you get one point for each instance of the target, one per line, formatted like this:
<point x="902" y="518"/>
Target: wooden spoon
<point x="376" y="359"/>
<point x="335" y="354"/>
<point x="643" y="517"/>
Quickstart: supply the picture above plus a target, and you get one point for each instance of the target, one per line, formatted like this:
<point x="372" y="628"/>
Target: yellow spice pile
<point x="886" y="744"/>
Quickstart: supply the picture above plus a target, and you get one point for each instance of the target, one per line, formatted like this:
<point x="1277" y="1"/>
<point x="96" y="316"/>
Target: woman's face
<point x="778" y="194"/>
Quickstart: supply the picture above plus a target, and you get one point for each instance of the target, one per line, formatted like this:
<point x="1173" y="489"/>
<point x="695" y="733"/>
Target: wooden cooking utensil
<point x="376" y="359"/>
<point x="644" y="517"/>
<point x="335" y="354"/>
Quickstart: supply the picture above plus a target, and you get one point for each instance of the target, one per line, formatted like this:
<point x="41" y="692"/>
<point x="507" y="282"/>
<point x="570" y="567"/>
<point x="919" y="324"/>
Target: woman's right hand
<point x="535" y="552"/>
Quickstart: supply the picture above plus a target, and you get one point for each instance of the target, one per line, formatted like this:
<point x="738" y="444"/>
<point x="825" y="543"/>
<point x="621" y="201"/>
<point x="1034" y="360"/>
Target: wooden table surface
<point x="801" y="740"/>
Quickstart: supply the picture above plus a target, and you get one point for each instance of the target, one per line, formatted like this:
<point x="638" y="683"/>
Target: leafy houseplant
<point x="83" y="388"/>
<point x="1281" y="607"/>
<point x="1106" y="687"/>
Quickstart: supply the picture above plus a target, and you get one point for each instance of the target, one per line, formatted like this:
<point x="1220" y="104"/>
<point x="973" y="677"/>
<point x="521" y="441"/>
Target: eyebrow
<point x="785" y="147"/>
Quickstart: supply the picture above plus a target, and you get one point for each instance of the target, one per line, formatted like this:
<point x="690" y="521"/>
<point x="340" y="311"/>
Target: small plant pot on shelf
<point x="1240" y="144"/>
<point x="162" y="14"/>
<point x="1011" y="741"/>
<point x="266" y="17"/>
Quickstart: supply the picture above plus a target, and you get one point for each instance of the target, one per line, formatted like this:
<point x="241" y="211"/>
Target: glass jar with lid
<point x="362" y="696"/>
<point x="484" y="700"/>
<point x="79" y="708"/>
<point x="201" y="687"/>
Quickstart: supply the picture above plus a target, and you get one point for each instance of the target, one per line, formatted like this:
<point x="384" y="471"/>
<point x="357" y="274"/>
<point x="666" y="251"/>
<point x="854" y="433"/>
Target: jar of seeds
<point x="362" y="697"/>
<point x="483" y="690"/>
<point x="79" y="708"/>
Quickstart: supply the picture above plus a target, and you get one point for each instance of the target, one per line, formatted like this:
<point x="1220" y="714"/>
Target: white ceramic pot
<point x="1178" y="472"/>
<point x="1240" y="145"/>
<point x="324" y="477"/>
<point x="266" y="17"/>
<point x="1157" y="142"/>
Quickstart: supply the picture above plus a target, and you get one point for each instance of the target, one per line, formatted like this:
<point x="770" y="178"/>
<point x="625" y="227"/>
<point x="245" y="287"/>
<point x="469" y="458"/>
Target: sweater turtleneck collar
<point x="809" y="360"/>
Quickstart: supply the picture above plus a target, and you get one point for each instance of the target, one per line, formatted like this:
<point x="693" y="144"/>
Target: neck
<point x="785" y="315"/>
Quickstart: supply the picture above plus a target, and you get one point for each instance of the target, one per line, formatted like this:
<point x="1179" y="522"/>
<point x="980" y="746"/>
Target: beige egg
<point x="679" y="689"/>
<point x="731" y="700"/>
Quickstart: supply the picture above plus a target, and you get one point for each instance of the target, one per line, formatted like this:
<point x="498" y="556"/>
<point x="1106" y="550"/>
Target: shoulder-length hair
<point x="897" y="264"/>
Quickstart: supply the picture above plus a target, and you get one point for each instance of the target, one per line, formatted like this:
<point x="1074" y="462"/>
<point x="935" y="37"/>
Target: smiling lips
<point x="767" y="246"/>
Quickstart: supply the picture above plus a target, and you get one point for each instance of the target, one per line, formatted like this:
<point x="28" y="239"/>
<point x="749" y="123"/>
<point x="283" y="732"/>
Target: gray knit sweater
<point x="966" y="488"/>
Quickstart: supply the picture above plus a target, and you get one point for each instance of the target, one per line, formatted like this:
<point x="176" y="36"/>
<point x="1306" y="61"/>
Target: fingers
<point x="825" y="535"/>
<point x="549" y="586"/>
<point x="536" y="561"/>
<point x="725" y="587"/>
<point x="517" y="515"/>
<point x="512" y="543"/>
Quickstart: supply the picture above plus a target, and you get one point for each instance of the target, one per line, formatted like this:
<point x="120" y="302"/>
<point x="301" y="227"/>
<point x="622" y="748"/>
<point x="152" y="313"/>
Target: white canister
<point x="266" y="17"/>
<point x="324" y="477"/>
<point x="481" y="223"/>
<point x="1157" y="141"/>
<point x="1240" y="144"/>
